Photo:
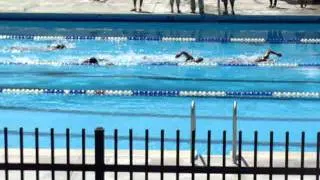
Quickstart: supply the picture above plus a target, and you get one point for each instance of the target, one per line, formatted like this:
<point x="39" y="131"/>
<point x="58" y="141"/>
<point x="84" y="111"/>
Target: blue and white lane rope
<point x="205" y="64"/>
<point x="164" y="38"/>
<point x="161" y="93"/>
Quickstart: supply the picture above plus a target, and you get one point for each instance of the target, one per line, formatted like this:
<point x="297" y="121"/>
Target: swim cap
<point x="60" y="46"/>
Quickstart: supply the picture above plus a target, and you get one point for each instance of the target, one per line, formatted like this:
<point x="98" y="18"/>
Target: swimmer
<point x="57" y="47"/>
<point x="48" y="48"/>
<point x="95" y="61"/>
<point x="266" y="57"/>
<point x="189" y="57"/>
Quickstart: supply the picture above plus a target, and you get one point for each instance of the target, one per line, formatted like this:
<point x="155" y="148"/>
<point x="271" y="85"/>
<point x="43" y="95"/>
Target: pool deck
<point x="138" y="158"/>
<point x="243" y="7"/>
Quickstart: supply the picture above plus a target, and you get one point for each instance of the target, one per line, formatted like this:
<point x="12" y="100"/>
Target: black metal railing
<point x="99" y="167"/>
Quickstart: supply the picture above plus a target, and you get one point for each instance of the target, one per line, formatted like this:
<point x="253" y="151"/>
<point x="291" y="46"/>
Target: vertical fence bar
<point x="224" y="149"/>
<point x="193" y="126"/>
<point x="240" y="155"/>
<point x="193" y="149"/>
<point x="162" y="154"/>
<point x="68" y="151"/>
<point x="131" y="152"/>
<point x="286" y="155"/>
<point x="234" y="131"/>
<point x="147" y="154"/>
<point x="116" y="153"/>
<point x="271" y="155"/>
<point x="99" y="153"/>
<point x="177" y="154"/>
<point x="21" y="152"/>
<point x="83" y="139"/>
<point x="208" y="153"/>
<point x="302" y="152"/>
<point x="37" y="152"/>
<point x="318" y="154"/>
<point x="255" y="155"/>
<point x="5" y="135"/>
<point x="52" y="152"/>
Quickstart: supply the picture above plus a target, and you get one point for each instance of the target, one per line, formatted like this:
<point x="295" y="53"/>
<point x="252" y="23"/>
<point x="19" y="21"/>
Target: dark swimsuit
<point x="91" y="61"/>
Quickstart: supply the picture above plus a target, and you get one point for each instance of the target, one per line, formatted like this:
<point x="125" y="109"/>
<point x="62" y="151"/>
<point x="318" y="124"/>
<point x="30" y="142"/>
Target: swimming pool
<point x="157" y="89"/>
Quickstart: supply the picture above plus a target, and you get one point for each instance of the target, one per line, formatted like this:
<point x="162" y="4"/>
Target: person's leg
<point x="171" y="5"/>
<point x="225" y="3"/>
<point x="232" y="6"/>
<point x="178" y="6"/>
<point x="141" y="2"/>
<point x="134" y="5"/>
<point x="270" y="5"/>
<point x="201" y="6"/>
<point x="193" y="6"/>
<point x="274" y="3"/>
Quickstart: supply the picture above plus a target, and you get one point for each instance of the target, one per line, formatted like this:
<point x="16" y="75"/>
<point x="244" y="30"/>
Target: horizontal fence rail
<point x="207" y="168"/>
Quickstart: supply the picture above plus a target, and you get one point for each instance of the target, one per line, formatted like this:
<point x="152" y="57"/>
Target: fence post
<point x="193" y="129"/>
<point x="234" y="132"/>
<point x="193" y="116"/>
<point x="99" y="153"/>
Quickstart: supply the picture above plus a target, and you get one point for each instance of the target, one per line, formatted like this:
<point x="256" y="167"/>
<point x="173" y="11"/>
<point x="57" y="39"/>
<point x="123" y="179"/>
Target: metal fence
<point x="99" y="167"/>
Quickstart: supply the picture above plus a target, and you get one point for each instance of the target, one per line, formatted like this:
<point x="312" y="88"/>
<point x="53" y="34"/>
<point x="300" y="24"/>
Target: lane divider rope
<point x="165" y="38"/>
<point x="161" y="93"/>
<point x="205" y="64"/>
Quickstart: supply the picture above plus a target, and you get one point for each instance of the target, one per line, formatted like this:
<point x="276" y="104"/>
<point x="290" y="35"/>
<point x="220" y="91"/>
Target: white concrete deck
<point x="243" y="7"/>
<point x="60" y="157"/>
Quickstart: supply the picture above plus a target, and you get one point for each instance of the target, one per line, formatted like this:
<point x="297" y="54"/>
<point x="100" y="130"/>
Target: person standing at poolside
<point x="274" y="3"/>
<point x="178" y="5"/>
<point x="303" y="3"/>
<point x="200" y="4"/>
<point x="225" y="3"/>
<point x="135" y="5"/>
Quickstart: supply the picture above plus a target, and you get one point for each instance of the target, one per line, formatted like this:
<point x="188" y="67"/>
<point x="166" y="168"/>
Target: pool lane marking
<point x="150" y="77"/>
<point x="164" y="38"/>
<point x="205" y="64"/>
<point x="170" y="93"/>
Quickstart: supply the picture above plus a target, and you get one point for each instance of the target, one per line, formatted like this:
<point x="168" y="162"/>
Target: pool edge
<point x="157" y="18"/>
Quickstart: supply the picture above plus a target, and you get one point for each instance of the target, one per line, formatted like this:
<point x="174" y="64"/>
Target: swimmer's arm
<point x="186" y="55"/>
<point x="276" y="53"/>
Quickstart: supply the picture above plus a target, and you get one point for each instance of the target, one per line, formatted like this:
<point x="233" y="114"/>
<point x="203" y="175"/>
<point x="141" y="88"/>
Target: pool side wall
<point x="156" y="18"/>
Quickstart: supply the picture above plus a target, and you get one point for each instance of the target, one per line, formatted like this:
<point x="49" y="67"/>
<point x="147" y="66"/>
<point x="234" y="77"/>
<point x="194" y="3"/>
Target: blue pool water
<point x="155" y="113"/>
